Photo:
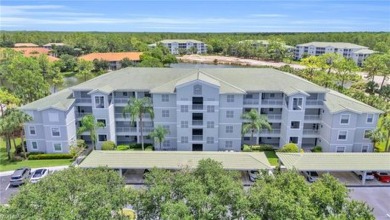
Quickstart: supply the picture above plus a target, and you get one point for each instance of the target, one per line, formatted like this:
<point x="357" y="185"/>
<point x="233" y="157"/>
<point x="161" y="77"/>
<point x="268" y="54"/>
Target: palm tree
<point x="385" y="127"/>
<point x="7" y="128"/>
<point x="376" y="136"/>
<point x="89" y="123"/>
<point x="137" y="109"/>
<point x="20" y="118"/>
<point x="255" y="122"/>
<point x="159" y="134"/>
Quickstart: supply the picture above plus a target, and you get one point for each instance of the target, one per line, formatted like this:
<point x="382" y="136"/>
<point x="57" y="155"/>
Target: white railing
<point x="121" y="100"/>
<point x="313" y="102"/>
<point x="146" y="129"/>
<point x="310" y="131"/>
<point x="251" y="101"/>
<point x="82" y="114"/>
<point x="120" y="115"/>
<point x="312" y="117"/>
<point x="273" y="131"/>
<point x="83" y="100"/>
<point x="197" y="137"/>
<point x="126" y="129"/>
<point x="197" y="122"/>
<point x="274" y="116"/>
<point x="197" y="106"/>
<point x="272" y="102"/>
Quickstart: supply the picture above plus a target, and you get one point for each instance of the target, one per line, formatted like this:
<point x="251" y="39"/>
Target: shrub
<point x="317" y="149"/>
<point x="50" y="156"/>
<point x="290" y="147"/>
<point x="149" y="148"/>
<point x="108" y="145"/>
<point x="246" y="148"/>
<point x="81" y="143"/>
<point x="262" y="147"/>
<point x="122" y="147"/>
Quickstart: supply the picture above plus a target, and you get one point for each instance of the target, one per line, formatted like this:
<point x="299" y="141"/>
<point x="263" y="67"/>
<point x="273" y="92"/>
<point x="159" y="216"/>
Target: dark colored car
<point x="20" y="176"/>
<point x="382" y="176"/>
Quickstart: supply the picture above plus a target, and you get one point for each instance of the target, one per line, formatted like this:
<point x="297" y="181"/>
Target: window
<point x="32" y="130"/>
<point x="165" y="113"/>
<point x="230" y="98"/>
<point x="165" y="98"/>
<point x="184" y="139"/>
<point x="210" y="124"/>
<point x="166" y="127"/>
<point x="57" y="147"/>
<point x="210" y="108"/>
<point x="166" y="143"/>
<point x="229" y="129"/>
<point x="228" y="144"/>
<point x="365" y="148"/>
<point x="55" y="132"/>
<point x="53" y="117"/>
<point x="370" y="118"/>
<point x="272" y="95"/>
<point x="210" y="140"/>
<point x="294" y="140"/>
<point x="184" y="108"/>
<point x="295" y="124"/>
<point x="102" y="137"/>
<point x="366" y="134"/>
<point x="342" y="135"/>
<point x="340" y="149"/>
<point x="103" y="121"/>
<point x="297" y="103"/>
<point x="124" y="93"/>
<point x="34" y="145"/>
<point x="344" y="119"/>
<point x="271" y="109"/>
<point x="249" y="96"/>
<point x="229" y="114"/>
<point x="197" y="90"/>
<point x="184" y="124"/>
<point x="99" y="102"/>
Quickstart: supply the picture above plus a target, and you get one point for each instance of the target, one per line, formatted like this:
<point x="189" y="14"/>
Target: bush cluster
<point x="290" y="147"/>
<point x="257" y="148"/>
<point x="122" y="147"/>
<point x="108" y="145"/>
<point x="317" y="149"/>
<point x="49" y="156"/>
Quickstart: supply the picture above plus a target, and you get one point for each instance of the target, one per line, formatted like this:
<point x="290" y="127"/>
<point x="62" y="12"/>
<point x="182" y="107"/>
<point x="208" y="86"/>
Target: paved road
<point x="6" y="191"/>
<point x="376" y="197"/>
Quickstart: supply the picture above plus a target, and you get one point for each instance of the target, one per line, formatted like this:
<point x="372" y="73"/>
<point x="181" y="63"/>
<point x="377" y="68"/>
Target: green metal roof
<point x="60" y="100"/>
<point x="364" y="51"/>
<point x="337" y="102"/>
<point x="336" y="161"/>
<point x="173" y="159"/>
<point x="333" y="44"/>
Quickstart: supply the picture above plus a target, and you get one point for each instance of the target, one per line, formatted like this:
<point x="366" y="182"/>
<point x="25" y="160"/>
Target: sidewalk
<point x="7" y="173"/>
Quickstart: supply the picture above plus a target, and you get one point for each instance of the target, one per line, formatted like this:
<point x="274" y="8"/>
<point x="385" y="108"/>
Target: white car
<point x="311" y="176"/>
<point x="254" y="174"/>
<point x="38" y="175"/>
<point x="369" y="175"/>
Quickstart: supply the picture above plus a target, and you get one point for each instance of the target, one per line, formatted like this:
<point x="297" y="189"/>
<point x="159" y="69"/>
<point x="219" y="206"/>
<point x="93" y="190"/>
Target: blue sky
<point x="196" y="16"/>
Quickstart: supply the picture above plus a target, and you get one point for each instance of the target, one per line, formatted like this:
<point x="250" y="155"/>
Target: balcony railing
<point x="314" y="102"/>
<point x="121" y="100"/>
<point x="272" y="102"/>
<point x="310" y="131"/>
<point x="274" y="116"/>
<point x="126" y="129"/>
<point x="197" y="137"/>
<point x="312" y="117"/>
<point x="82" y="114"/>
<point x="273" y="131"/>
<point x="197" y="106"/>
<point x="146" y="129"/>
<point x="251" y="101"/>
<point x="120" y="115"/>
<point x="197" y="122"/>
<point x="83" y="100"/>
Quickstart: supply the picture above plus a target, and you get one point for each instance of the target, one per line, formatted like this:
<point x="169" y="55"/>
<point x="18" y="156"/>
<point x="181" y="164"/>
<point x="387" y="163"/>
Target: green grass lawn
<point x="272" y="158"/>
<point x="6" y="165"/>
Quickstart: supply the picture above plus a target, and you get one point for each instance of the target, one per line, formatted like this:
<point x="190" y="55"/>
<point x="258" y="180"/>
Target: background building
<point x="114" y="59"/>
<point x="183" y="46"/>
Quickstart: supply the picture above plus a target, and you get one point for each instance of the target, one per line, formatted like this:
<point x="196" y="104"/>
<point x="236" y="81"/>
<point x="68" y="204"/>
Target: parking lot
<point x="351" y="179"/>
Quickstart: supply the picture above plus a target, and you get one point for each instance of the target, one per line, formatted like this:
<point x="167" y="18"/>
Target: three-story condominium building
<point x="202" y="109"/>
<point x="350" y="51"/>
<point x="175" y="46"/>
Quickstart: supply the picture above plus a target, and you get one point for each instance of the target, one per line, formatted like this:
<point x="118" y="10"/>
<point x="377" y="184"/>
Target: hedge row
<point x="49" y="156"/>
<point x="259" y="148"/>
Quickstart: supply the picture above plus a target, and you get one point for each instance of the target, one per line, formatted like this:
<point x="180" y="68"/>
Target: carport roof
<point x="336" y="161"/>
<point x="173" y="159"/>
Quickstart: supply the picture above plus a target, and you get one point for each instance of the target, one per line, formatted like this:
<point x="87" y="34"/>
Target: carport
<point x="173" y="160"/>
<point x="336" y="162"/>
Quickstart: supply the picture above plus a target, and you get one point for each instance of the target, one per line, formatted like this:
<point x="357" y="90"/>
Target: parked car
<point x="20" y="176"/>
<point x="311" y="176"/>
<point x="369" y="175"/>
<point x="38" y="175"/>
<point x="382" y="176"/>
<point x="255" y="174"/>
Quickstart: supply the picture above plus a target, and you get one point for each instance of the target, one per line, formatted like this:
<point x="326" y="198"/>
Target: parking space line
<point x="7" y="187"/>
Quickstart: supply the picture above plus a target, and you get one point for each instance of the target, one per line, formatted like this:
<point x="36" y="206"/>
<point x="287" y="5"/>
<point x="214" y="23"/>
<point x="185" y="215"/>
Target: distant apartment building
<point x="175" y="46"/>
<point x="114" y="59"/>
<point x="49" y="46"/>
<point x="17" y="45"/>
<point x="350" y="51"/>
<point x="202" y="109"/>
<point x="35" y="52"/>
<point x="264" y="43"/>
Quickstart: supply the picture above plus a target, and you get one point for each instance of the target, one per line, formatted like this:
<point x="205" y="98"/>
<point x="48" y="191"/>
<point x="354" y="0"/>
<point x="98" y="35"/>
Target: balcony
<point x="310" y="131"/>
<point x="197" y="122"/>
<point x="120" y="115"/>
<point x="277" y="102"/>
<point x="126" y="129"/>
<point x="251" y="101"/>
<point x="197" y="106"/>
<point x="273" y="131"/>
<point x="121" y="100"/>
<point x="82" y="114"/>
<point x="83" y="100"/>
<point x="274" y="116"/>
<point x="146" y="129"/>
<point x="314" y="102"/>
<point x="312" y="117"/>
<point x="197" y="137"/>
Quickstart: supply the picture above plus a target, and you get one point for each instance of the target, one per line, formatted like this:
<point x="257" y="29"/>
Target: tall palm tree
<point x="385" y="127"/>
<point x="137" y="109"/>
<point x="159" y="134"/>
<point x="376" y="136"/>
<point x="7" y="128"/>
<point x="20" y="118"/>
<point x="253" y="121"/>
<point x="89" y="123"/>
